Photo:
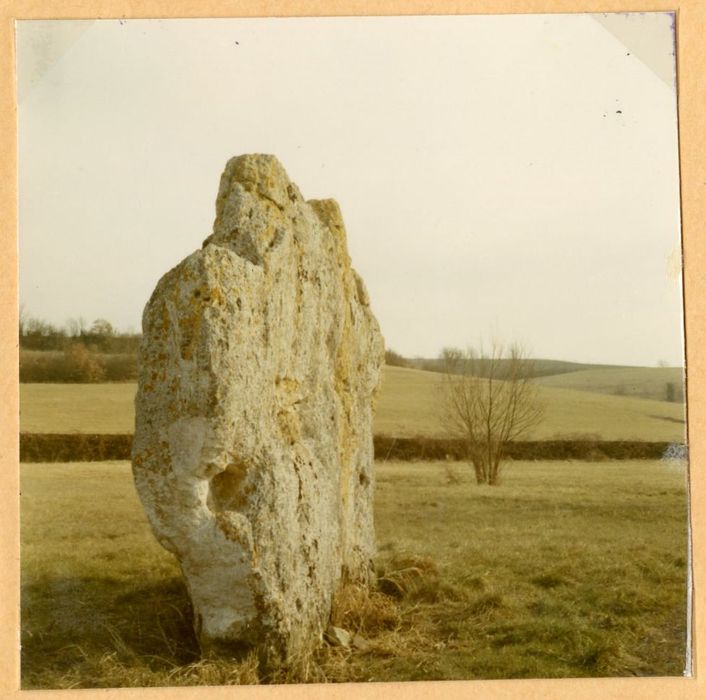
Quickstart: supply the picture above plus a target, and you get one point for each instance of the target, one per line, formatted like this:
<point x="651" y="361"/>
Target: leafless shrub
<point x="489" y="399"/>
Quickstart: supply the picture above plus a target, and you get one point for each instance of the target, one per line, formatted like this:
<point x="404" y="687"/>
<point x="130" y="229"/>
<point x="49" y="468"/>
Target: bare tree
<point x="489" y="399"/>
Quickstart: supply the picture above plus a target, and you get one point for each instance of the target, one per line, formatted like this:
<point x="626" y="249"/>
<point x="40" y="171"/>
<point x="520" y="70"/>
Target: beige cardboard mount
<point x="691" y="30"/>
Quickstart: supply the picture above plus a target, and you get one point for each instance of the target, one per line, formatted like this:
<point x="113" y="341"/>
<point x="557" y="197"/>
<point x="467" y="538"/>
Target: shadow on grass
<point x="69" y="622"/>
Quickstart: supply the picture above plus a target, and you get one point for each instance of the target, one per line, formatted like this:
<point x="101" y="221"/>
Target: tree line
<point x="75" y="352"/>
<point x="100" y="336"/>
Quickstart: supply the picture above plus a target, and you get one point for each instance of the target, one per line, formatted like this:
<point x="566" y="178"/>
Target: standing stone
<point x="253" y="450"/>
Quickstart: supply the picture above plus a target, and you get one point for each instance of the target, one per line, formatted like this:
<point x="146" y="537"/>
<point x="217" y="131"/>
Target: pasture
<point x="566" y="570"/>
<point x="641" y="382"/>
<point x="408" y="405"/>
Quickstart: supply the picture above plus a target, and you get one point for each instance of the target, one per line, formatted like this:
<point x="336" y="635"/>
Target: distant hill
<point x="410" y="403"/>
<point x="659" y="383"/>
<point x="542" y="367"/>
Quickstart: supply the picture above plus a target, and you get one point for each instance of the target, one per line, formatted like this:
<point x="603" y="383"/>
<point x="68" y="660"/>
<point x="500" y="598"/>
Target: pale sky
<point x="514" y="176"/>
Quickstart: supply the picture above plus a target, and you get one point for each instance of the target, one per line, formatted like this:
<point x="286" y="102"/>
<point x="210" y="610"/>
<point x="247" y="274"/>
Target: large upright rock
<point x="253" y="450"/>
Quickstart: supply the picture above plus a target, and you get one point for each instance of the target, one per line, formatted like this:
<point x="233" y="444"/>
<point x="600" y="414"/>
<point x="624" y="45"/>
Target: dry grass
<point x="641" y="382"/>
<point x="363" y="611"/>
<point x="77" y="408"/>
<point x="565" y="570"/>
<point x="408" y="406"/>
<point x="452" y="474"/>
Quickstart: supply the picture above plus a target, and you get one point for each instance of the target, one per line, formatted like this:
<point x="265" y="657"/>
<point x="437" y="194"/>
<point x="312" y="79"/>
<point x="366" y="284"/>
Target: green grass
<point x="564" y="570"/>
<point x="409" y="404"/>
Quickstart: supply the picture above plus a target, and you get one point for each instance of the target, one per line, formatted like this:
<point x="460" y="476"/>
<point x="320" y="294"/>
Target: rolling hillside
<point x="643" y="382"/>
<point x="541" y="367"/>
<point x="409" y="404"/>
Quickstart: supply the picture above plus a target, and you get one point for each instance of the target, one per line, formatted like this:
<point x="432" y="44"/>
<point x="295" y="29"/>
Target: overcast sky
<point x="514" y="176"/>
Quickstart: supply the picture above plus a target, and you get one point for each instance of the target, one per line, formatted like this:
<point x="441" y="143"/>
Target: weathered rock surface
<point x="253" y="450"/>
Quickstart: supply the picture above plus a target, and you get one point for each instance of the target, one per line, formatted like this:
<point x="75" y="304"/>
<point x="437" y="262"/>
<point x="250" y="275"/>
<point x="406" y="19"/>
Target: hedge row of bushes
<point x="593" y="450"/>
<point x="77" y="364"/>
<point x="78" y="447"/>
<point x="73" y="447"/>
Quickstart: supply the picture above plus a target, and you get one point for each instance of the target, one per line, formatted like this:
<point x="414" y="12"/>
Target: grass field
<point x="77" y="408"/>
<point x="409" y="404"/>
<point x="641" y="382"/>
<point x="565" y="570"/>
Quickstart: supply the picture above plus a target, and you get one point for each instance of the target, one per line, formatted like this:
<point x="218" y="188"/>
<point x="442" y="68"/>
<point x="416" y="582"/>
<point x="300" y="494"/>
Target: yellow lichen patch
<point x="213" y="295"/>
<point x="266" y="174"/>
<point x="288" y="386"/>
<point x="189" y="327"/>
<point x="289" y="425"/>
<point x="164" y="318"/>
